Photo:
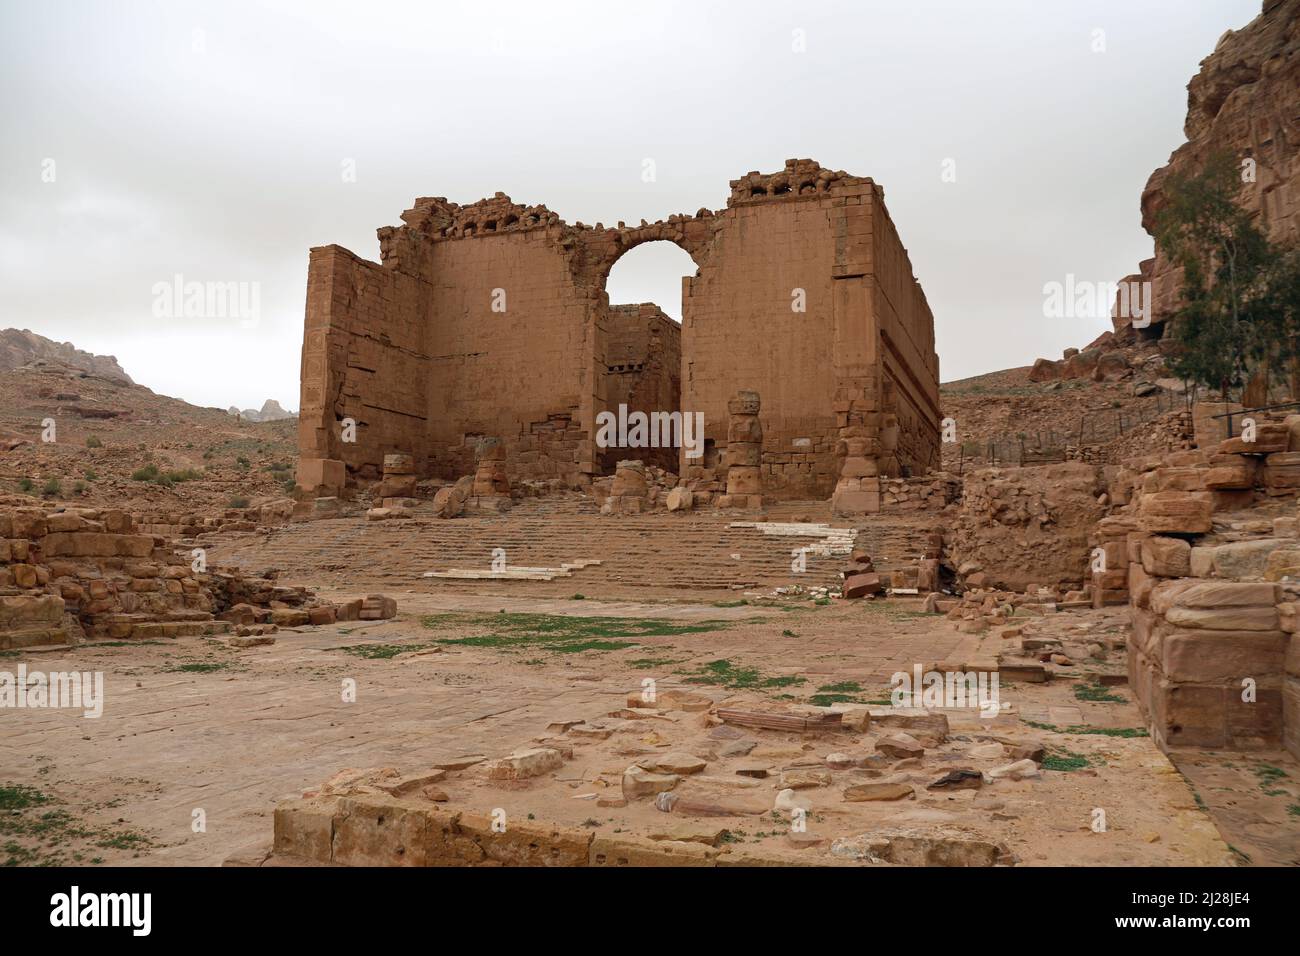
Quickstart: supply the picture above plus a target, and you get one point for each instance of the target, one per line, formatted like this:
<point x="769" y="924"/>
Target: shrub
<point x="25" y="485"/>
<point x="183" y="474"/>
<point x="147" y="473"/>
<point x="238" y="503"/>
<point x="52" y="488"/>
<point x="94" y="442"/>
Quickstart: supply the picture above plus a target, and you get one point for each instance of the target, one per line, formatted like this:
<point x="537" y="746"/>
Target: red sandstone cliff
<point x="1246" y="101"/>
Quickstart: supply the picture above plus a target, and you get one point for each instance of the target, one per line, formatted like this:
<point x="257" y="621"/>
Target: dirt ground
<point x="199" y="741"/>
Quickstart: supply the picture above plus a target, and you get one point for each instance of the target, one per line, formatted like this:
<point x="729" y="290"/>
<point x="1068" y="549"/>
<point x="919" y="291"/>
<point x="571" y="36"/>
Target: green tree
<point x="1232" y="321"/>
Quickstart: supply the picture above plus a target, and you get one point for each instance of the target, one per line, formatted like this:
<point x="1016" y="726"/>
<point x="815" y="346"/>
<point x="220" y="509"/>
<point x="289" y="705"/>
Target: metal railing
<point x="1244" y="412"/>
<point x="1097" y="427"/>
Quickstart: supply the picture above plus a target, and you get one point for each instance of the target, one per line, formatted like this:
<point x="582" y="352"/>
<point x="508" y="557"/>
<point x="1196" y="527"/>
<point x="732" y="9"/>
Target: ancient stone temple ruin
<point x="492" y="320"/>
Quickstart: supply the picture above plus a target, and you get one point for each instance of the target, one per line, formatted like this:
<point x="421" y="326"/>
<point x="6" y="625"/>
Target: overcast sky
<point x="141" y="141"/>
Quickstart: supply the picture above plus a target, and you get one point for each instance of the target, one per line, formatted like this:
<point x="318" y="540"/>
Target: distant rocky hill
<point x="19" y="347"/>
<point x="271" y="411"/>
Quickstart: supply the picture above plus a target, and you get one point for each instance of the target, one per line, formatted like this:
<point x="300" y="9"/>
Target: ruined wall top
<point x="801" y="177"/>
<point x="437" y="219"/>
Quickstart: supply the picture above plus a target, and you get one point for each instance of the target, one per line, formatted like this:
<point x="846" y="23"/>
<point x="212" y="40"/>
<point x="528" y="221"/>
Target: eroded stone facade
<point x="492" y="320"/>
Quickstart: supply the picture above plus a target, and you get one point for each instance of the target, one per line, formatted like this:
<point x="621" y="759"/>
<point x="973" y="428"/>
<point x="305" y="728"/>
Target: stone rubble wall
<point x="1017" y="527"/>
<point x="70" y="574"/>
<point x="926" y="493"/>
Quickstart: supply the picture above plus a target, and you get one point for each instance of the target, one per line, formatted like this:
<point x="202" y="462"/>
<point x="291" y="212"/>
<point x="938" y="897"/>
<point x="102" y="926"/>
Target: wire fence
<point x="1051" y="446"/>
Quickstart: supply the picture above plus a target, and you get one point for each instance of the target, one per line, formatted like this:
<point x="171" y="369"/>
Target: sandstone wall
<point x="739" y="332"/>
<point x="363" y="358"/>
<point x="416" y="348"/>
<point x="524" y="374"/>
<point x="643" y="363"/>
<point x="910" y="366"/>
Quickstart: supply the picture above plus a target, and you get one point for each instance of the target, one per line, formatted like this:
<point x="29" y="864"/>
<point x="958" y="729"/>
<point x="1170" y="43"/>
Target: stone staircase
<point x="547" y="542"/>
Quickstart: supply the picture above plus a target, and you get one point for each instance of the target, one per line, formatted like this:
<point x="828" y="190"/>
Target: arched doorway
<point x="644" y="302"/>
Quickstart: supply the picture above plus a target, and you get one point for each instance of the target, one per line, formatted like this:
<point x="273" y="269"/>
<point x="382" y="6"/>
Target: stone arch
<point x="657" y="259"/>
<point x="602" y="247"/>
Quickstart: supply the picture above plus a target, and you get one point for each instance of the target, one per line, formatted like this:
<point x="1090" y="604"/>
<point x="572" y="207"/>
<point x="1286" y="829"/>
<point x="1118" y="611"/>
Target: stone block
<point x="321" y="476"/>
<point x="1176" y="511"/>
<point x="1166" y="557"/>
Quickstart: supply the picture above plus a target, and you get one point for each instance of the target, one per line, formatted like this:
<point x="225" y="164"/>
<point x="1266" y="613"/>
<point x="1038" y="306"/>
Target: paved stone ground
<point x="270" y="721"/>
<point x="233" y="743"/>
<point x="194" y="725"/>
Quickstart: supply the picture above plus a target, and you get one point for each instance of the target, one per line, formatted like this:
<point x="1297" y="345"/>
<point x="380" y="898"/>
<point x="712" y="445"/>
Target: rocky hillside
<point x="1090" y="398"/>
<point x="79" y="437"/>
<point x="19" y="347"/>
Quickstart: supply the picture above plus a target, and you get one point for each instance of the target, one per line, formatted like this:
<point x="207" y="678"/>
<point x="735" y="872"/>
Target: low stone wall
<point x="71" y="574"/>
<point x="1212" y="661"/>
<point x="925" y="493"/>
<point x="379" y="830"/>
<point x="1207" y="664"/>
<point x="176" y="524"/>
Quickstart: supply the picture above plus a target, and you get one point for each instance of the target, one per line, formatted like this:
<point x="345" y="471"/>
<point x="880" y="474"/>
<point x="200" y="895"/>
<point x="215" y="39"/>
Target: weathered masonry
<point x="492" y="320"/>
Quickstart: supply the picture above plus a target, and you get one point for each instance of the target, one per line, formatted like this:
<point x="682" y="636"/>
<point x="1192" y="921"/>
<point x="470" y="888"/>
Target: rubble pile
<point x="693" y="769"/>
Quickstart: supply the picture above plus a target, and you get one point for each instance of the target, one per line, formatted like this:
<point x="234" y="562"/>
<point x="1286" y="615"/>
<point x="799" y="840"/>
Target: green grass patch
<point x="18" y="797"/>
<point x="1065" y="760"/>
<point x="724" y="673"/>
<point x="843" y="687"/>
<point x="843" y="692"/>
<point x="1269" y="776"/>
<point x="152" y="473"/>
<point x="647" y="663"/>
<point x="34" y="832"/>
<point x="381" y="652"/>
<point x="1094" y="731"/>
<point x="559" y="633"/>
<point x="1097" y="694"/>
